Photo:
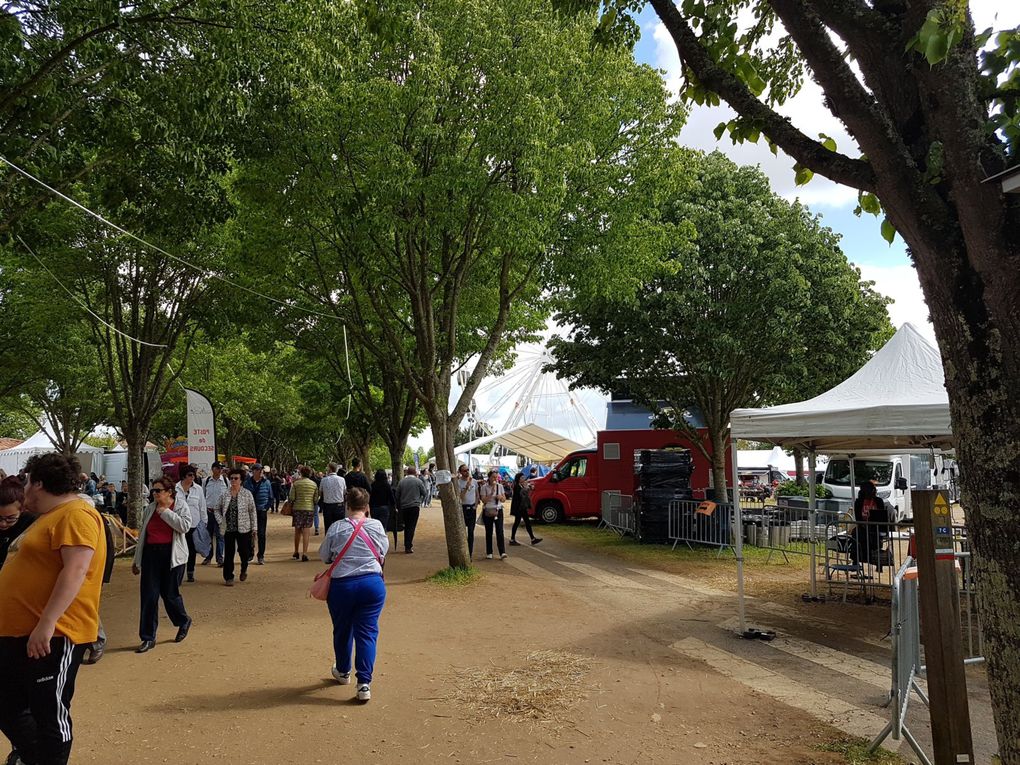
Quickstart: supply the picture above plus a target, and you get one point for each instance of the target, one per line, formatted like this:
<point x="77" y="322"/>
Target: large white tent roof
<point x="897" y="400"/>
<point x="40" y="441"/>
<point x="530" y="440"/>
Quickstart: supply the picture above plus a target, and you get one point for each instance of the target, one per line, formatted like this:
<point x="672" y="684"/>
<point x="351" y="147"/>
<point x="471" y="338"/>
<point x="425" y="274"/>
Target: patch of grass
<point x="455" y="577"/>
<point x="627" y="548"/>
<point x="855" y="750"/>
<point x="774" y="578"/>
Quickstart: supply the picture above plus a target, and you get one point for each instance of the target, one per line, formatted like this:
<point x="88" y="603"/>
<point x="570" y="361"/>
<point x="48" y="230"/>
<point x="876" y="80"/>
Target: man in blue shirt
<point x="262" y="490"/>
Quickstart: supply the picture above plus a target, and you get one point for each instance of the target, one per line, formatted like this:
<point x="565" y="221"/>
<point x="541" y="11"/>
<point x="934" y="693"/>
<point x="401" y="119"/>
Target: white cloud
<point x="900" y="282"/>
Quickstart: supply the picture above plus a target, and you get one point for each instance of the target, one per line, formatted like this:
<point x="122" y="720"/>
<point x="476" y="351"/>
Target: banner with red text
<point x="201" y="431"/>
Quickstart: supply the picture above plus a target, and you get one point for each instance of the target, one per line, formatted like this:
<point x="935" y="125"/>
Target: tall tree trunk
<point x="719" y="456"/>
<point x="137" y="470"/>
<point x="396" y="451"/>
<point x="453" y="514"/>
<point x="798" y="461"/>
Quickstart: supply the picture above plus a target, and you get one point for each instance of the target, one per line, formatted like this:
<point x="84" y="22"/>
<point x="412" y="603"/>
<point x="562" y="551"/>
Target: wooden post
<point x="938" y="592"/>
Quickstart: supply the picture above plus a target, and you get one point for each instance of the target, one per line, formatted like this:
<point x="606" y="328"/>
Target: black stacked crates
<point x="664" y="475"/>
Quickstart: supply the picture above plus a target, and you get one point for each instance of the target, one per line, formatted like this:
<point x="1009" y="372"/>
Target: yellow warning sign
<point x="941" y="505"/>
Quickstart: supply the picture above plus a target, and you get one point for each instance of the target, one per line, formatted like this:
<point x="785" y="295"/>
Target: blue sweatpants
<point x="355" y="603"/>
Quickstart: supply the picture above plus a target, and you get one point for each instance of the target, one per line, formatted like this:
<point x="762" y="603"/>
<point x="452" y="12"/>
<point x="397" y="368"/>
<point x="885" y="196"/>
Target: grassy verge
<point x="662" y="556"/>
<point x="455" y="577"/>
<point x="855" y="750"/>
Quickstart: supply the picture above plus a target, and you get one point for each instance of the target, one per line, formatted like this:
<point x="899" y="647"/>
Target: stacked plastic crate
<point x="664" y="475"/>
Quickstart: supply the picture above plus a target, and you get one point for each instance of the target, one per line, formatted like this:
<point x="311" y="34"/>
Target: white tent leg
<point x="812" y="522"/>
<point x="738" y="535"/>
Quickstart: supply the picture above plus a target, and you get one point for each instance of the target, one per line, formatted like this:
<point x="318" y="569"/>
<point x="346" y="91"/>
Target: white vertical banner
<point x="201" y="431"/>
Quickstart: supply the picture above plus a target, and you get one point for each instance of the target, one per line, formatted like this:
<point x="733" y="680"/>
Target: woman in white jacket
<point x="160" y="557"/>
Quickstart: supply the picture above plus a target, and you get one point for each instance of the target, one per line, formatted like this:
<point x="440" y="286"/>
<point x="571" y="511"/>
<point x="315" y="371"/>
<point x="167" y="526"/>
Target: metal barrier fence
<point x="703" y="523"/>
<point x="906" y="660"/>
<point x="618" y="513"/>
<point x="849" y="556"/>
<point x="907" y="666"/>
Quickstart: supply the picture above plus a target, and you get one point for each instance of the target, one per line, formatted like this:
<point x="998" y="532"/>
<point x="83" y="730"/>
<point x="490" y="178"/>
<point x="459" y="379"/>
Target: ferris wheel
<point x="527" y="394"/>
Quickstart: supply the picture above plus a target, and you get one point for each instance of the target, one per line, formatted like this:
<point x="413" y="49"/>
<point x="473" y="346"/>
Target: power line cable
<point x="154" y="247"/>
<point x="84" y="307"/>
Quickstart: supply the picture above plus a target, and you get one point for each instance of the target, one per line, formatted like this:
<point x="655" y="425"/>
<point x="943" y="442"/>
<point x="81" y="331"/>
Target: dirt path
<point x="660" y="681"/>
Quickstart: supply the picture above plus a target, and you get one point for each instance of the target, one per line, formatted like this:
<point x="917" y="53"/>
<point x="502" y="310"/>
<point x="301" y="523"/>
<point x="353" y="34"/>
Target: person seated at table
<point x="869" y="513"/>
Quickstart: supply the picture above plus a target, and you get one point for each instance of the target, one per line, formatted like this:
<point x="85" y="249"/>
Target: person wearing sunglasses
<point x="160" y="558"/>
<point x="13" y="519"/>
<point x="237" y="516"/>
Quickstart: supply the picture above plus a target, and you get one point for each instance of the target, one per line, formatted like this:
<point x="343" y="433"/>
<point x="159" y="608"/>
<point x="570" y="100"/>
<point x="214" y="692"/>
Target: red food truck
<point x="574" y="488"/>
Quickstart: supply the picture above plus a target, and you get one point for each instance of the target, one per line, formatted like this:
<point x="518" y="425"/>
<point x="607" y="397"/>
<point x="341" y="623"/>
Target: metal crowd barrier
<point x="907" y="657"/>
<point x="850" y="556"/>
<point x="703" y="523"/>
<point x="618" y="513"/>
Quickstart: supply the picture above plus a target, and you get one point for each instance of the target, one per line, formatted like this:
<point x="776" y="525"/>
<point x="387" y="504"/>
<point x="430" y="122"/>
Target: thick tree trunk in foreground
<point x="980" y="352"/>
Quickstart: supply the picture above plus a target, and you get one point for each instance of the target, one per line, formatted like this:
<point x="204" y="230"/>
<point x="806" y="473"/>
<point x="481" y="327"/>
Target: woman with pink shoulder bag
<point x="356" y="547"/>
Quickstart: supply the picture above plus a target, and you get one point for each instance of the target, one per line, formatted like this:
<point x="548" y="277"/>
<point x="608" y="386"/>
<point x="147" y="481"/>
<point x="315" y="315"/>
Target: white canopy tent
<point x="13" y="460"/>
<point x="896" y="402"/>
<point x="530" y="440"/>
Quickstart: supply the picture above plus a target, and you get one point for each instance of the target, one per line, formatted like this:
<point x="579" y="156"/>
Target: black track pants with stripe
<point x="35" y="700"/>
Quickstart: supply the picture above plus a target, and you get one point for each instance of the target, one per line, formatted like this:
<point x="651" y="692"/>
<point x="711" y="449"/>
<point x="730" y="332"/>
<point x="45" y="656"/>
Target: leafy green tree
<point x="421" y="181"/>
<point x="725" y="319"/>
<point x="931" y="104"/>
<point x="49" y="368"/>
<point x="15" y="423"/>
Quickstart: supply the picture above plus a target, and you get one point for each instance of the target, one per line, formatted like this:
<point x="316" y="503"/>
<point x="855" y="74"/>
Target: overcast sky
<point x="887" y="265"/>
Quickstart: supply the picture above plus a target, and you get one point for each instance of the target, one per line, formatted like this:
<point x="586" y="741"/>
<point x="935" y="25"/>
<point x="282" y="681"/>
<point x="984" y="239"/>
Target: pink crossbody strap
<point x="371" y="545"/>
<point x="343" y="552"/>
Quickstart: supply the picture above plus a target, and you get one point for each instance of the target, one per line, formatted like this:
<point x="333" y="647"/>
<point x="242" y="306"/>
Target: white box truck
<point x="891" y="473"/>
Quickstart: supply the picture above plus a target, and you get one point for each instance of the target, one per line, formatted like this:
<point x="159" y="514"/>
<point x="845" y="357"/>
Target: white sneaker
<point x="364" y="692"/>
<point x="488" y="557"/>
<point x="502" y="556"/>
<point x="344" y="678"/>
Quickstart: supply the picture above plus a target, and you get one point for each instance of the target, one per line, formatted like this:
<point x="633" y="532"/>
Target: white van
<point x="891" y="474"/>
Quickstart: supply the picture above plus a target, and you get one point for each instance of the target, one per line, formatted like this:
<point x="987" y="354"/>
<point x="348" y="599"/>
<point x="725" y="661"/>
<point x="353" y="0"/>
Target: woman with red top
<point x="160" y="557"/>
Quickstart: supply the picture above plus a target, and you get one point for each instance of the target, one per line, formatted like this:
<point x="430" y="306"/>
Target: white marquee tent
<point x="12" y="460"/>
<point x="896" y="402"/>
<point x="530" y="440"/>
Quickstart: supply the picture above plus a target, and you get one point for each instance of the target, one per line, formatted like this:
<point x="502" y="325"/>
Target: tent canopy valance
<point x="530" y="440"/>
<point x="897" y="401"/>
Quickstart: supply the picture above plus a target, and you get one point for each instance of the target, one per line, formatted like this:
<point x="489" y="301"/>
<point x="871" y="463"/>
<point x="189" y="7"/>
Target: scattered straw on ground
<point x="547" y="683"/>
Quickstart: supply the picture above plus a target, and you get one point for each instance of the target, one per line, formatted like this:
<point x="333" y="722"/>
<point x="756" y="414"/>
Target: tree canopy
<point x="422" y="189"/>
<point x="750" y="302"/>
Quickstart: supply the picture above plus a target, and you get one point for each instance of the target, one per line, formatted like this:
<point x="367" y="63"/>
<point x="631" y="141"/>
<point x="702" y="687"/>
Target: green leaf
<point x="870" y="204"/>
<point x="828" y="142"/>
<point x="802" y="175"/>
<point x="888" y="231"/>
<point x="719" y="130"/>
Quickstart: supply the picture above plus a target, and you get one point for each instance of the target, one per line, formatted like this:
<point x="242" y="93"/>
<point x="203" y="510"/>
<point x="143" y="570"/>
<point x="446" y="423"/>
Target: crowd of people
<point x="56" y="552"/>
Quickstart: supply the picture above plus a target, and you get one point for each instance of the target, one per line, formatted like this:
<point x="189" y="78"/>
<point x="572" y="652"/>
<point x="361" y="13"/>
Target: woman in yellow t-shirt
<point x="304" y="493"/>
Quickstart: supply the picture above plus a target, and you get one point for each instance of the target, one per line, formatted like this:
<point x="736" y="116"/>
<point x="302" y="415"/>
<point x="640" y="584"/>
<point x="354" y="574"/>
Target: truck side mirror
<point x="901" y="484"/>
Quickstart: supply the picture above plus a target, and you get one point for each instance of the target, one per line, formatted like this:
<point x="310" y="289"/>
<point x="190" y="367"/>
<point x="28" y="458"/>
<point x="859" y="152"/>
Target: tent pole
<point x="738" y="535"/>
<point x="812" y="521"/>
